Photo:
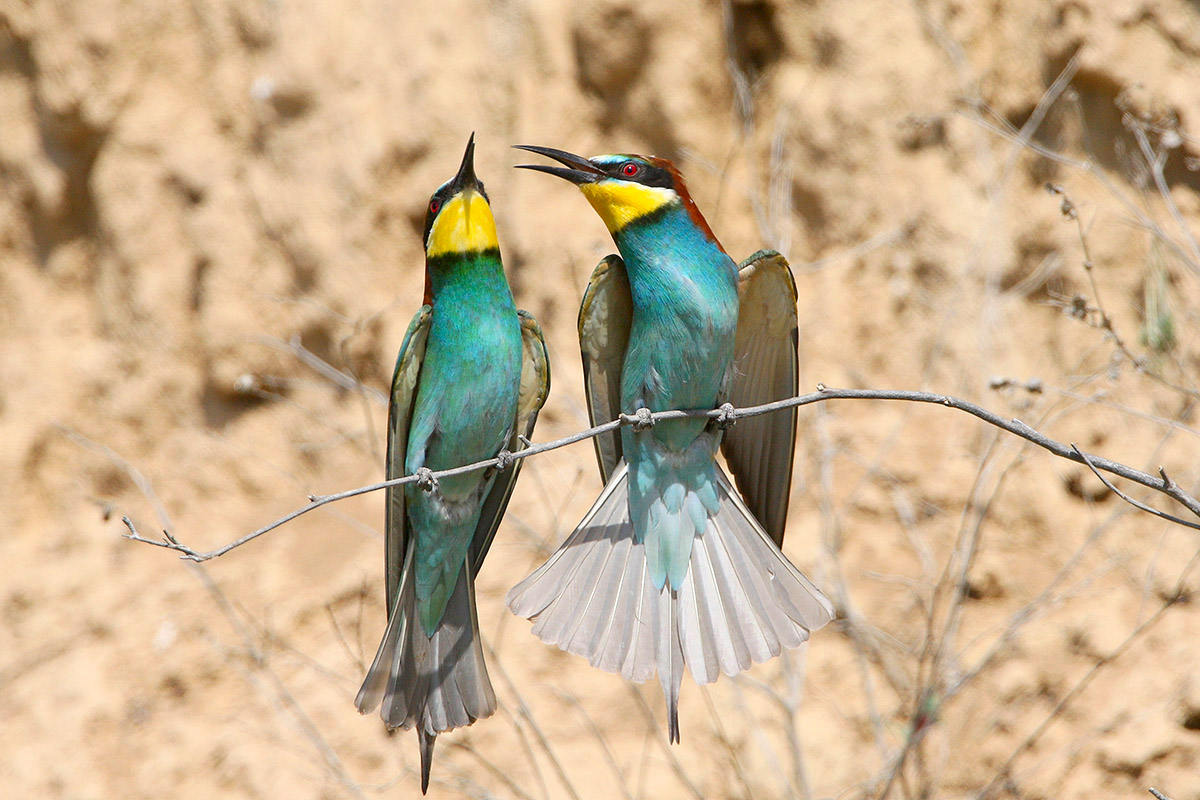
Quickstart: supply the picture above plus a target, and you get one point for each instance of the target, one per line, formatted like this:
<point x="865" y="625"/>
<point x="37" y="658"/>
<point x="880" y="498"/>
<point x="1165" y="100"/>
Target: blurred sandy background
<point x="210" y="219"/>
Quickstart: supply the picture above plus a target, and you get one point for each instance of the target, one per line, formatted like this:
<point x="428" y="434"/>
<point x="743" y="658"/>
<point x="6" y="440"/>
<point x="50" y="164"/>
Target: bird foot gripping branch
<point x="426" y="481"/>
<point x="504" y="460"/>
<point x="641" y="420"/>
<point x="727" y="417"/>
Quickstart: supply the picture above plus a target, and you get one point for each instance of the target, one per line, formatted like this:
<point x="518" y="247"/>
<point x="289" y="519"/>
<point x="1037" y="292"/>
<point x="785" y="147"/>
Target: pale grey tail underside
<point x="741" y="602"/>
<point x="434" y="683"/>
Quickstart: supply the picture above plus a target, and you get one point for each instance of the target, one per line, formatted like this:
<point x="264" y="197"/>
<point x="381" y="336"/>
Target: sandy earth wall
<point x="210" y="218"/>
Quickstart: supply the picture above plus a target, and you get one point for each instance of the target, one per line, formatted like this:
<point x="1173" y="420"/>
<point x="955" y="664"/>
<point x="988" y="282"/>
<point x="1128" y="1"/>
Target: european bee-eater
<point x="470" y="379"/>
<point x="670" y="566"/>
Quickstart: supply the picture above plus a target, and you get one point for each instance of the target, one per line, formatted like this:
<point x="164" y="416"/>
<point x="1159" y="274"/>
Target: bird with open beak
<point x="671" y="566"/>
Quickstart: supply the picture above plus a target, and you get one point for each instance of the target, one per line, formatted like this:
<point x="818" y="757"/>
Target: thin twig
<point x="786" y="789"/>
<point x="857" y="251"/>
<point x="927" y="697"/>
<point x="1155" y="162"/>
<point x="654" y="731"/>
<point x="526" y="713"/>
<point x="731" y="751"/>
<point x="1047" y="598"/>
<point x="339" y="378"/>
<point x="1080" y="309"/>
<point x="1129" y="499"/>
<point x="1003" y="774"/>
<point x="1091" y="167"/>
<point x="283" y="694"/>
<point x="493" y="769"/>
<point x="823" y="393"/>
<point x="598" y="735"/>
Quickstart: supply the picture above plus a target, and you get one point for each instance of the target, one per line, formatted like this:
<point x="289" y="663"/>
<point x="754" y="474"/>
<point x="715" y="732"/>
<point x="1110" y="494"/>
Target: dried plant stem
<point x="1083" y="312"/>
<point x="1003" y="774"/>
<point x="654" y="731"/>
<point x="611" y="760"/>
<point x="283" y="695"/>
<point x="525" y="713"/>
<point x="1155" y="162"/>
<point x="1130" y="500"/>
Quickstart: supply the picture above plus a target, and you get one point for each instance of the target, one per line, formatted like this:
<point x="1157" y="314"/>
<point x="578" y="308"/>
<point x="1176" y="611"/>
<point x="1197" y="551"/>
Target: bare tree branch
<point x="726" y="414"/>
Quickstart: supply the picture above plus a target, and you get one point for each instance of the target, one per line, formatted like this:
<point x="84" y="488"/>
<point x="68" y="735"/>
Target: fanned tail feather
<point x="740" y="603"/>
<point x="434" y="683"/>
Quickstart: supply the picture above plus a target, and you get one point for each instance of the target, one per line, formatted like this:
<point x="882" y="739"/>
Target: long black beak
<point x="466" y="171"/>
<point x="579" y="170"/>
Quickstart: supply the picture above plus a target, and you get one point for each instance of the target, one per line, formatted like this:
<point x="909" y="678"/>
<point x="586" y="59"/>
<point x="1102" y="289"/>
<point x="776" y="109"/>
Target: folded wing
<point x="604" y="320"/>
<point x="400" y="406"/>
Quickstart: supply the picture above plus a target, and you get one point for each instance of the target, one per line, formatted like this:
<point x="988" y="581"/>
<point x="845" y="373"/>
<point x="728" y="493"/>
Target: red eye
<point x="629" y="169"/>
<point x="435" y="205"/>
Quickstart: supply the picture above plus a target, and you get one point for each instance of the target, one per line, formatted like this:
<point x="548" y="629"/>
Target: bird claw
<point x="425" y="480"/>
<point x="504" y="460"/>
<point x="641" y="420"/>
<point x="727" y="417"/>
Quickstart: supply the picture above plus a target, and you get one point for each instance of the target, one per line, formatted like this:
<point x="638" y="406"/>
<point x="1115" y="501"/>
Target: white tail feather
<point x="741" y="602"/>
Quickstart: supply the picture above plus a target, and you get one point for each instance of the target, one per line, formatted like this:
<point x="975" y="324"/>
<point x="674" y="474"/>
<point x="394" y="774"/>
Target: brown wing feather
<point x="760" y="449"/>
<point x="604" y="320"/>
<point x="400" y="405"/>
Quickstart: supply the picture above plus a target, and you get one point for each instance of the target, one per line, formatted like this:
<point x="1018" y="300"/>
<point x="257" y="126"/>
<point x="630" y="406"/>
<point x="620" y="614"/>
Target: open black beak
<point x="466" y="171"/>
<point x="578" y="171"/>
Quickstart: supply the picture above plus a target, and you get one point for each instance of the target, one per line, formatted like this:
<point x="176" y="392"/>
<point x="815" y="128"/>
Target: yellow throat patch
<point x="464" y="225"/>
<point x="621" y="202"/>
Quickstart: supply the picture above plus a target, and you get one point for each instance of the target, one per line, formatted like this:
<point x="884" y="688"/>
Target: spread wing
<point x="400" y="406"/>
<point x="604" y="320"/>
<point x="760" y="449"/>
<point x="535" y="386"/>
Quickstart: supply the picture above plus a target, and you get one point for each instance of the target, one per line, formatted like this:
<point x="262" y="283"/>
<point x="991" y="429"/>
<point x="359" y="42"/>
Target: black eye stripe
<point x="649" y="175"/>
<point x="657" y="176"/>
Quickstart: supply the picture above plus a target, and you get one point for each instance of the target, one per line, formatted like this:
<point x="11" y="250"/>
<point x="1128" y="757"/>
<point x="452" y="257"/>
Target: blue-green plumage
<point x="685" y="305"/>
<point x="469" y="382"/>
<point x="465" y="406"/>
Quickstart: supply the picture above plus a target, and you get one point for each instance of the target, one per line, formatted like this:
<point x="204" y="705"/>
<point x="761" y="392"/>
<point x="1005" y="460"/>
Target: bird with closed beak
<point x="671" y="566"/>
<point x="471" y="376"/>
